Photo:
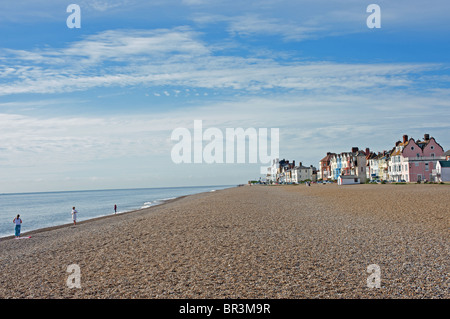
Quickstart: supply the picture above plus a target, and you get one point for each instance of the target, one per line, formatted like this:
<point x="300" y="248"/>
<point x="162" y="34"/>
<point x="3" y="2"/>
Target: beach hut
<point x="348" y="180"/>
<point x="443" y="171"/>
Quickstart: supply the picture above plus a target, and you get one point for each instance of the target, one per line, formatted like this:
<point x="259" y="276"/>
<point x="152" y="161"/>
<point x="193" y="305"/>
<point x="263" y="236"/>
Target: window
<point x="432" y="154"/>
<point x="412" y="148"/>
<point x="432" y="147"/>
<point x="417" y="164"/>
<point x="426" y="166"/>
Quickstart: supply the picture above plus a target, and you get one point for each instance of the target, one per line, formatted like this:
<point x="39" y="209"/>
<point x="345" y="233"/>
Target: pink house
<point x="414" y="161"/>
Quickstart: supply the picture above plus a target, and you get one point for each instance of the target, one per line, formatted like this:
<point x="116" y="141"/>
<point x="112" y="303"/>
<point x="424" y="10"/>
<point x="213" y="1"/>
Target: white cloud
<point x="177" y="57"/>
<point x="348" y="15"/>
<point x="103" y="5"/>
<point x="194" y="2"/>
<point x="252" y="25"/>
<point x="51" y="148"/>
<point x="33" y="140"/>
<point x="318" y="106"/>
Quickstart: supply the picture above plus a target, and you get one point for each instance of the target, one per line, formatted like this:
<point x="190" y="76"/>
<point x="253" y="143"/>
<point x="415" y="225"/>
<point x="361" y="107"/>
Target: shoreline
<point x="247" y="243"/>
<point x="93" y="219"/>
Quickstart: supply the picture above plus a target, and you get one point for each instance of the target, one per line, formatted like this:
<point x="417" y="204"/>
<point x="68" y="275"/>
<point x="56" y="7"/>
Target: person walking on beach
<point x="74" y="215"/>
<point x="115" y="208"/>
<point x="18" y="223"/>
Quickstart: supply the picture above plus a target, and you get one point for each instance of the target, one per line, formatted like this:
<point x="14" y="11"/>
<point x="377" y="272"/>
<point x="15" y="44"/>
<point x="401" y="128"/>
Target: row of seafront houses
<point x="408" y="161"/>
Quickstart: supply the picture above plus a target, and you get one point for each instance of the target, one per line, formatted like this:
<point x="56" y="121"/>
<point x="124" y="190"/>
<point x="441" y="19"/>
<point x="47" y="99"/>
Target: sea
<point x="46" y="209"/>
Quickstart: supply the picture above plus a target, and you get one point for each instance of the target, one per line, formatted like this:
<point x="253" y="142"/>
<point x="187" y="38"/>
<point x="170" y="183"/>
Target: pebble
<point x="248" y="242"/>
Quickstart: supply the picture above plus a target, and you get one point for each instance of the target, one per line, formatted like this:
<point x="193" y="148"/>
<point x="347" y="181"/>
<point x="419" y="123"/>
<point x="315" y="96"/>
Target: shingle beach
<point x="247" y="242"/>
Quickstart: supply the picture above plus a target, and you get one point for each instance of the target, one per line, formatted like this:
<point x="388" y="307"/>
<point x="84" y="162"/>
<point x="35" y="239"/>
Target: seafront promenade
<point x="247" y="242"/>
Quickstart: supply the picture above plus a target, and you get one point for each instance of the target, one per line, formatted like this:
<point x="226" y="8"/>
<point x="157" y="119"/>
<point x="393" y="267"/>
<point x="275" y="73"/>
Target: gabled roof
<point x="422" y="144"/>
<point x="327" y="158"/>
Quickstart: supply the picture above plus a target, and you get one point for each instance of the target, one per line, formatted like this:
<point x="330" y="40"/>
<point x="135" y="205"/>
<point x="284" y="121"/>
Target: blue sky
<point x="95" y="107"/>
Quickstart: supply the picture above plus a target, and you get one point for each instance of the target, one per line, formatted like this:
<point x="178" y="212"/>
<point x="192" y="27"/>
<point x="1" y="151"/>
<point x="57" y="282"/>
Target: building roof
<point x="444" y="163"/>
<point x="447" y="153"/>
<point x="327" y="158"/>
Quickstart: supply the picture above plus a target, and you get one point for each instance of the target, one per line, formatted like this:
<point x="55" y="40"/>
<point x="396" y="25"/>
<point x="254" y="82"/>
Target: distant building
<point x="278" y="171"/>
<point x="302" y="173"/>
<point x="272" y="171"/>
<point x="372" y="166"/>
<point x="383" y="166"/>
<point x="325" y="167"/>
<point x="285" y="172"/>
<point x="413" y="161"/>
<point x="349" y="163"/>
<point x="447" y="155"/>
<point x="443" y="171"/>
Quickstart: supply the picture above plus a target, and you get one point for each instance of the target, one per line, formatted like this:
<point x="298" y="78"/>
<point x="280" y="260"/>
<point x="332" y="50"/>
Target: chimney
<point x="300" y="164"/>
<point x="354" y="149"/>
<point x="293" y="163"/>
<point x="405" y="138"/>
<point x="426" y="137"/>
<point x="367" y="151"/>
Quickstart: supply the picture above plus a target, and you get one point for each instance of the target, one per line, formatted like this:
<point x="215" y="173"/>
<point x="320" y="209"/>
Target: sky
<point x="95" y="107"/>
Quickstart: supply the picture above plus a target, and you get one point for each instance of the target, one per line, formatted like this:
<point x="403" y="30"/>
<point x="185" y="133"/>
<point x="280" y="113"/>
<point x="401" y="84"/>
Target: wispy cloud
<point x="100" y="99"/>
<point x="34" y="140"/>
<point x="104" y="5"/>
<point x="178" y="57"/>
<point x="53" y="147"/>
<point x="251" y="25"/>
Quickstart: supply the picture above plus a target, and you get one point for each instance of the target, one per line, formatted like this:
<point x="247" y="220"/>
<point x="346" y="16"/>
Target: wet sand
<point x="247" y="242"/>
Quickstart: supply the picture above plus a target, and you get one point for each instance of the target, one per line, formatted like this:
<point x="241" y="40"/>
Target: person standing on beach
<point x="74" y="215"/>
<point x="18" y="223"/>
<point x="115" y="208"/>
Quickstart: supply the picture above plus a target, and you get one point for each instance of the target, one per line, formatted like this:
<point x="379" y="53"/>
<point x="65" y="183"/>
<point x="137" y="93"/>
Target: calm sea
<point x="39" y="210"/>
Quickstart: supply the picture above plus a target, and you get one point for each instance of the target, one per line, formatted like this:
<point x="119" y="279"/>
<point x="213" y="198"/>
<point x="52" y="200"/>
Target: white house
<point x="443" y="171"/>
<point x="272" y="171"/>
<point x="301" y="173"/>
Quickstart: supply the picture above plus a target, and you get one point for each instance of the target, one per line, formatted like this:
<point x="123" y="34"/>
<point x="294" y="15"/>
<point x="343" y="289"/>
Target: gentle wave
<point x="41" y="210"/>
